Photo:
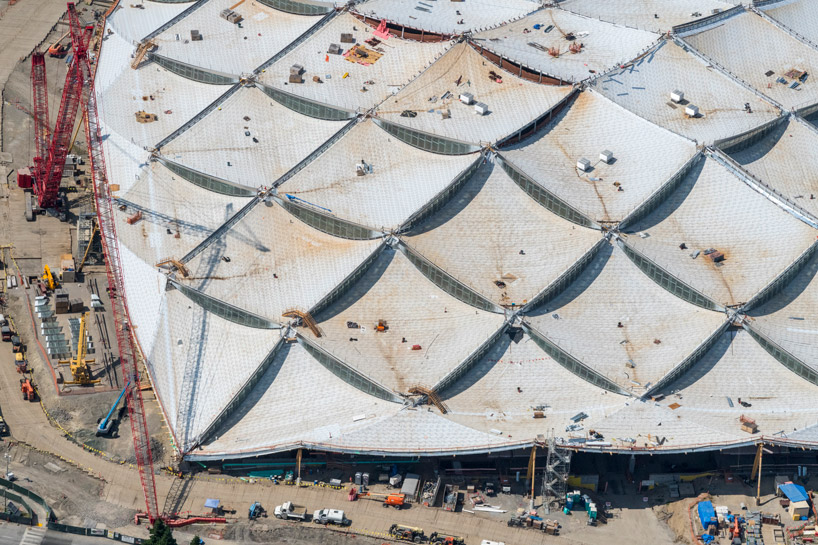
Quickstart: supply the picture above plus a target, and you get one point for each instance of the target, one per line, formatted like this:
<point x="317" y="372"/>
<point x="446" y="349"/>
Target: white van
<point x="330" y="516"/>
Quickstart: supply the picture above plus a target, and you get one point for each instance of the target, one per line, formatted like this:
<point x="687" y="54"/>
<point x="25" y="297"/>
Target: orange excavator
<point x="394" y="500"/>
<point x="28" y="390"/>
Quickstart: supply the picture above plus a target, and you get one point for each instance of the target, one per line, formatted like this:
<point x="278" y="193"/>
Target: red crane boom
<point x="113" y="266"/>
<point x="39" y="91"/>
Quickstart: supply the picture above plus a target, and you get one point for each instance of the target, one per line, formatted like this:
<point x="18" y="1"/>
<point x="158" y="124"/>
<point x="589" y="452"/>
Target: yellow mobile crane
<point x="49" y="278"/>
<point x="79" y="365"/>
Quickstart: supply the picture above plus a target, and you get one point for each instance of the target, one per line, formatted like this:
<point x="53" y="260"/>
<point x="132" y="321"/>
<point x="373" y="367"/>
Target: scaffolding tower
<point x="555" y="475"/>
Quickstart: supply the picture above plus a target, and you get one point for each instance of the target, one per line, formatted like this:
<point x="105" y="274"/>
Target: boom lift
<point x="79" y="365"/>
<point x="58" y="49"/>
<point x="105" y="425"/>
<point x="395" y="500"/>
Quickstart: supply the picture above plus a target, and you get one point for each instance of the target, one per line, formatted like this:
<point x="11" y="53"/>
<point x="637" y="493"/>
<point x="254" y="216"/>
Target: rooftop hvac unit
<point x="691" y="110"/>
<point x="467" y="98"/>
<point x="347" y="38"/>
<point x="584" y="165"/>
<point x="606" y="156"/>
<point x="334" y="49"/>
<point x="677" y="96"/>
<point x="296" y="69"/>
<point x="481" y="108"/>
<point x="195" y="35"/>
<point x="225" y="13"/>
<point x="234" y="17"/>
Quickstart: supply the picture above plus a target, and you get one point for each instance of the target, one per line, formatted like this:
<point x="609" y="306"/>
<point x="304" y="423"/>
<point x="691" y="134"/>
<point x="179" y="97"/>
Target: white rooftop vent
<point x="691" y="110"/>
<point x="467" y="98"/>
<point x="481" y="108"/>
<point x="677" y="96"/>
<point x="584" y="165"/>
<point x="606" y="156"/>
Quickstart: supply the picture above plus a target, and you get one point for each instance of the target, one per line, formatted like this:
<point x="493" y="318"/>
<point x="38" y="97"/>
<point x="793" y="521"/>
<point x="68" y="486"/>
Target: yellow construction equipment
<point x="178" y="265"/>
<point x="141" y="51"/>
<point x="306" y="319"/>
<point x="88" y="249"/>
<point x="79" y="365"/>
<point x="237" y="4"/>
<point x="49" y="278"/>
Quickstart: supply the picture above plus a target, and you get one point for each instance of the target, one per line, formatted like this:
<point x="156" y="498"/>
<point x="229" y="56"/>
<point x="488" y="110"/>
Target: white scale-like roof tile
<point x="420" y="430"/>
<point x="644" y="157"/>
<point x="515" y="378"/>
<point x="710" y="210"/>
<point x="219" y="144"/>
<point x="226" y="47"/>
<point x="511" y="104"/>
<point x="738" y="367"/>
<point x="772" y="50"/>
<point x="289" y="387"/>
<point x="123" y="92"/>
<point x="277" y="263"/>
<point x="645" y="87"/>
<point x="342" y="81"/>
<point x="400" y="178"/>
<point x="786" y="160"/>
<point x="135" y="21"/>
<point x="604" y="45"/>
<point x="445" y="17"/>
<point x="446" y="329"/>
<point x="188" y="341"/>
<point x="169" y="203"/>
<point x="479" y="235"/>
<point x="584" y="321"/>
<point x="791" y="318"/>
<point x="643" y="13"/>
<point x="145" y="290"/>
<point x="798" y="15"/>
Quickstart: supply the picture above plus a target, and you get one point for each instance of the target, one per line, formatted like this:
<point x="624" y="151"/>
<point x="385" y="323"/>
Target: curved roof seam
<point x="565" y="279"/>
<point x="338" y="291"/>
<point x="198" y="117"/>
<point x="295" y="43"/>
<point x="571" y="363"/>
<point x="418" y="260"/>
<point x="781" y="355"/>
<point x="745" y="139"/>
<point x="173" y="20"/>
<point x="443" y="197"/>
<point x="682" y="368"/>
<point x="280" y="6"/>
<point x="782" y="27"/>
<point x="244" y="391"/>
<point x="762" y="188"/>
<point x="222" y="229"/>
<point x="334" y="365"/>
<point x="454" y="375"/>
<point x="223" y="309"/>
<point x="700" y="25"/>
<point x="471" y="42"/>
<point x="173" y="65"/>
<point x="529" y="186"/>
<point x="782" y="280"/>
<point x="660" y="273"/>
<point x="236" y="190"/>
<point x="661" y="194"/>
<point x="799" y="116"/>
<point x="394" y="128"/>
<point x="304" y="213"/>
<point x="541" y="122"/>
<point x="275" y="94"/>
<point x="724" y="70"/>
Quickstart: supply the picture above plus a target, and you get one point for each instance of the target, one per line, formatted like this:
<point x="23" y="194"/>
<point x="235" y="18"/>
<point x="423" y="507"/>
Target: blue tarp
<point x="795" y="492"/>
<point x="707" y="514"/>
<point x="211" y="504"/>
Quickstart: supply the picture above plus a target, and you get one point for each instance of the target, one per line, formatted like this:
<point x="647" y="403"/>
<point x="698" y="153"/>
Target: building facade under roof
<point x="402" y="229"/>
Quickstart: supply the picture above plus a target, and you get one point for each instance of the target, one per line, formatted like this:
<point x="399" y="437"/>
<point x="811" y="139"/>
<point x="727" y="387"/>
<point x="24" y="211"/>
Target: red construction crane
<point x="84" y="93"/>
<point x="47" y="184"/>
<point x="40" y="114"/>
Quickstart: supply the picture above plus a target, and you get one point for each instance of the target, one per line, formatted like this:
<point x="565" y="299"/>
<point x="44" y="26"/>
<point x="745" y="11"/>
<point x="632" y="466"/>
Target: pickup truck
<point x="330" y="516"/>
<point x="289" y="510"/>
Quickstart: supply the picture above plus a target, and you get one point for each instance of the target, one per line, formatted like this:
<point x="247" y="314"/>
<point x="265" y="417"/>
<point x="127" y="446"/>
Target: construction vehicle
<point x="3" y="428"/>
<point x="28" y="390"/>
<point x="20" y="362"/>
<point x="330" y="516"/>
<point x="48" y="278"/>
<point x="407" y="533"/>
<point x="16" y="344"/>
<point x="59" y="49"/>
<point x="256" y="510"/>
<point x="437" y="538"/>
<point x="80" y="371"/>
<point x="105" y="425"/>
<point x="291" y="511"/>
<point x="6" y="333"/>
<point x="394" y="500"/>
<point x="451" y="497"/>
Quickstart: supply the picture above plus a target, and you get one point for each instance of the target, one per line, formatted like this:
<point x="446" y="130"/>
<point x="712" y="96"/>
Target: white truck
<point x="330" y="516"/>
<point x="289" y="510"/>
